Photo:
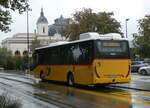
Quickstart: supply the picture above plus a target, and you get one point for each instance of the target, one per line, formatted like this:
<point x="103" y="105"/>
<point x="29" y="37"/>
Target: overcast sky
<point x="132" y="9"/>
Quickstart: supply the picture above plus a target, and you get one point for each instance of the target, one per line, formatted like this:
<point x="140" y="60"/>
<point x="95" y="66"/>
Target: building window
<point x="43" y="29"/>
<point x="25" y="53"/>
<point x="17" y="53"/>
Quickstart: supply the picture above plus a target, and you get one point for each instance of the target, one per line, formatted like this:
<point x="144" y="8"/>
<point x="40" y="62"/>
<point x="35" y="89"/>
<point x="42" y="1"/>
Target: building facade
<point x="18" y="42"/>
<point x="59" y="26"/>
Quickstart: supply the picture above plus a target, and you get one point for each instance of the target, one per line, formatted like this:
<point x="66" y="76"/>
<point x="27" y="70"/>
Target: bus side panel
<point x="36" y="73"/>
<point x="53" y="72"/>
<point x="59" y="73"/>
<point x="38" y="70"/>
<point x="83" y="74"/>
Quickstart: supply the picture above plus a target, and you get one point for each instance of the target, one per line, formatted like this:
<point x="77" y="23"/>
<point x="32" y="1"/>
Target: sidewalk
<point x="138" y="82"/>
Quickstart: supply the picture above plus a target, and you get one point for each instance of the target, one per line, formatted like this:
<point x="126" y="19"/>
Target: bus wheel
<point x="70" y="79"/>
<point x="42" y="76"/>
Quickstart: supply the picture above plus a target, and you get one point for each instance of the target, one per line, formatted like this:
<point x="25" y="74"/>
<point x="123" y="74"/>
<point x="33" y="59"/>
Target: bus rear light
<point x="128" y="71"/>
<point x="97" y="75"/>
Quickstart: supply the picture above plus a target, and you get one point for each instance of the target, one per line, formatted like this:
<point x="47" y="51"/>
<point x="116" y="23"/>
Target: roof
<point x="101" y="37"/>
<point x="42" y="19"/>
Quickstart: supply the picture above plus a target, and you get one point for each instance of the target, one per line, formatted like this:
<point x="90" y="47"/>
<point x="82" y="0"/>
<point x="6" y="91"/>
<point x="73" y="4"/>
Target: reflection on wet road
<point x="81" y="98"/>
<point x="51" y="95"/>
<point x="99" y="97"/>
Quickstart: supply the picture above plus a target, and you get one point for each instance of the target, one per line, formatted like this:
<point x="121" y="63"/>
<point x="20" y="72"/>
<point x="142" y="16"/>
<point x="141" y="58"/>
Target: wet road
<point x="52" y="95"/>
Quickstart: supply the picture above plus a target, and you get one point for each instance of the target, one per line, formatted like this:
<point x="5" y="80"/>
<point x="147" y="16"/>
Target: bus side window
<point x="61" y="51"/>
<point x="48" y="53"/>
<point x="35" y="59"/>
<point x="64" y="55"/>
<point x="86" y="49"/>
<point x="55" y="56"/>
<point x="89" y="51"/>
<point x="40" y="58"/>
<point x="58" y="56"/>
<point x="67" y="55"/>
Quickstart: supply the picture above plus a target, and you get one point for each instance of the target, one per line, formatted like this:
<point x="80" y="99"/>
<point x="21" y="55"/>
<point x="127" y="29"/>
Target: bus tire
<point x="42" y="76"/>
<point x="70" y="79"/>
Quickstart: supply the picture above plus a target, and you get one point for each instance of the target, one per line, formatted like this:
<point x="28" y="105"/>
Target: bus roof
<point x="90" y="36"/>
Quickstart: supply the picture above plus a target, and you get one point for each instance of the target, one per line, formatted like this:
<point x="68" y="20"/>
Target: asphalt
<point x="138" y="82"/>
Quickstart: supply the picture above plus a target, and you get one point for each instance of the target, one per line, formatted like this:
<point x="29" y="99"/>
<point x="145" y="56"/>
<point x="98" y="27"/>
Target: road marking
<point x="112" y="95"/>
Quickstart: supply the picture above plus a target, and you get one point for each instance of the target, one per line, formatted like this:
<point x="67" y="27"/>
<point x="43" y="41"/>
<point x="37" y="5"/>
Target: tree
<point x="35" y="44"/>
<point x="5" y="7"/>
<point x="6" y="59"/>
<point x="72" y="31"/>
<point x="18" y="62"/>
<point x="88" y="21"/>
<point x="143" y="40"/>
<point x="107" y="24"/>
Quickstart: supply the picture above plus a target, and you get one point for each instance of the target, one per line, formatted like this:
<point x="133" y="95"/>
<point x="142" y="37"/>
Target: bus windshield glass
<point x="113" y="49"/>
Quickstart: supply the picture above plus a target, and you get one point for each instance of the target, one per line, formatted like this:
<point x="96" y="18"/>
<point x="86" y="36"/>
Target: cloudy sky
<point x="132" y="9"/>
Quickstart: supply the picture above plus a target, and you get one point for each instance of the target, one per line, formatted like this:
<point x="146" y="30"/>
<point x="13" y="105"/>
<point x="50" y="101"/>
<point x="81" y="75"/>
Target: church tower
<point x="42" y="24"/>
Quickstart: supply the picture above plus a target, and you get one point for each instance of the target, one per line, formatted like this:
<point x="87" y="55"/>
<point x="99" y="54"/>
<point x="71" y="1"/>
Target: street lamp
<point x="28" y="47"/>
<point x="126" y="27"/>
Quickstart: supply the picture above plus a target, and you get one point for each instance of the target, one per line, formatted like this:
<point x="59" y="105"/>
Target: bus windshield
<point x="113" y="49"/>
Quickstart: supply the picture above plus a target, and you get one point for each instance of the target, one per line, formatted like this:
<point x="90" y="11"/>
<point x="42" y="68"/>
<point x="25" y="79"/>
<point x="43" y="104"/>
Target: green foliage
<point x="5" y="7"/>
<point x="144" y="40"/>
<point x="133" y="52"/>
<point x="18" y="62"/>
<point x="35" y="44"/>
<point x="10" y="62"/>
<point x="107" y="24"/>
<point x="88" y="21"/>
<point x="5" y="58"/>
<point x="72" y="31"/>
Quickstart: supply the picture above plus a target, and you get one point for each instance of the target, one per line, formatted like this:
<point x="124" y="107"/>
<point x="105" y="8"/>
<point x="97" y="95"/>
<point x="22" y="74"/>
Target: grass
<point x="7" y="101"/>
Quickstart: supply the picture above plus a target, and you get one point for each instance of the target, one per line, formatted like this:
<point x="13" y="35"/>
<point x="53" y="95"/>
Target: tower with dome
<point x="42" y="24"/>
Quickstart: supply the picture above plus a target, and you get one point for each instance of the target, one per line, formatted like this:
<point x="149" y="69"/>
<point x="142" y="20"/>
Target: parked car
<point x="135" y="65"/>
<point x="144" y="70"/>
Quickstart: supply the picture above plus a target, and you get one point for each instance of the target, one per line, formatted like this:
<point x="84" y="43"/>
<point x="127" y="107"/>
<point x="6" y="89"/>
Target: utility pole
<point x="126" y="27"/>
<point x="28" y="44"/>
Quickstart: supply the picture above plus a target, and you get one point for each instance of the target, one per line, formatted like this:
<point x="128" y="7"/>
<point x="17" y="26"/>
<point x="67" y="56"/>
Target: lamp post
<point x="126" y="27"/>
<point x="28" y="44"/>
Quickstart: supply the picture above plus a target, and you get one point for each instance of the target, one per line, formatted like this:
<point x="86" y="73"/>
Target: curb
<point x="134" y="88"/>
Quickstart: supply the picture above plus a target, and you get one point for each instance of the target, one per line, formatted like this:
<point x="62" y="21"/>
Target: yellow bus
<point x="91" y="61"/>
